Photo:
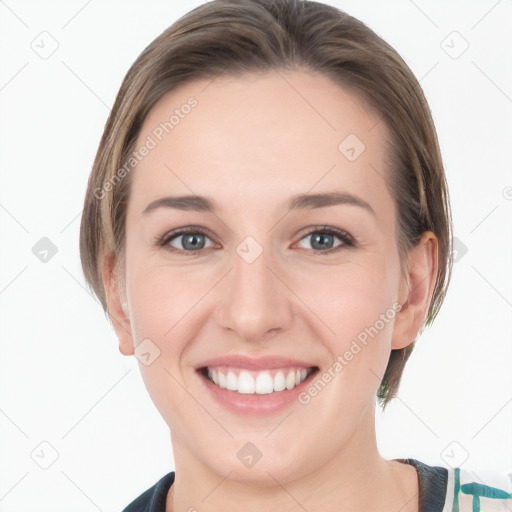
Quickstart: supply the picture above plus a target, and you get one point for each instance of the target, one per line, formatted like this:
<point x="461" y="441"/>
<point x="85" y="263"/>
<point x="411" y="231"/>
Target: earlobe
<point x="417" y="288"/>
<point x="117" y="308"/>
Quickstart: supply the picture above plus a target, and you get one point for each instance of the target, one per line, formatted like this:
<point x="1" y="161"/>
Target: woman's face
<point x="258" y="279"/>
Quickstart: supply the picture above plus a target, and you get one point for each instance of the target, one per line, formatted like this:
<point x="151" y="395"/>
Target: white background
<point x="63" y="380"/>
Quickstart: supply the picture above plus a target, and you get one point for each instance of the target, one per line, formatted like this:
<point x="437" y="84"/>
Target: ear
<point x="416" y="290"/>
<point x="117" y="311"/>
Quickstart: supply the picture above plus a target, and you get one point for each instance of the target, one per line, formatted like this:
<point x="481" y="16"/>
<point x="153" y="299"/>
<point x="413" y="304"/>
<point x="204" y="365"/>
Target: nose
<point x="255" y="298"/>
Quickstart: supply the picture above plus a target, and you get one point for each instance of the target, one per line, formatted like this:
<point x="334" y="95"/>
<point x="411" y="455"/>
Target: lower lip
<point x="255" y="404"/>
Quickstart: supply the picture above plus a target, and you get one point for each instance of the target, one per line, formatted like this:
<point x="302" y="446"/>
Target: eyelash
<point x="346" y="238"/>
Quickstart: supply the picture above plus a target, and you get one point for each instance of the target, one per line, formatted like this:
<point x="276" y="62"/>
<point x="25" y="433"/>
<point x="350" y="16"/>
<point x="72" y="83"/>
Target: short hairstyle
<point x="239" y="37"/>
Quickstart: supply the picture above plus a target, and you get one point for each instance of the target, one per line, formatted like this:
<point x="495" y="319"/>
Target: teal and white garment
<point x="461" y="490"/>
<point x="466" y="492"/>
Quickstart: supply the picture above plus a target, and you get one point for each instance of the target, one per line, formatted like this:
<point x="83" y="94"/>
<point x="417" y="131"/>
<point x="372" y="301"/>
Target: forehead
<point x="259" y="136"/>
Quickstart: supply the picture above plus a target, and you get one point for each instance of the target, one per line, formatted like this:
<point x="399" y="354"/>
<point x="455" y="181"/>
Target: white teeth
<point x="290" y="380"/>
<point x="246" y="384"/>
<point x="264" y="384"/>
<point x="222" y="379"/>
<point x="231" y="381"/>
<point x="279" y="382"/>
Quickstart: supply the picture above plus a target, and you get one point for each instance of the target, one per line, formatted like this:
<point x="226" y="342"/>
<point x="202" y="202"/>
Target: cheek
<point x="159" y="300"/>
<point x="161" y="293"/>
<point x="358" y="304"/>
<point x="350" y="297"/>
<point x="360" y="309"/>
<point x="162" y="312"/>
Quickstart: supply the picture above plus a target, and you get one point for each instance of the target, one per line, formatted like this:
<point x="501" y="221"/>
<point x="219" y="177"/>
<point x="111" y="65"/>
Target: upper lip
<point x="252" y="363"/>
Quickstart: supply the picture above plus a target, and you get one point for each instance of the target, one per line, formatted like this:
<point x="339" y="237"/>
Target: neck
<point x="355" y="478"/>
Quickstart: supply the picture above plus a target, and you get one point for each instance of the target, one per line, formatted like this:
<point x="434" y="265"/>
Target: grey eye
<point x="189" y="241"/>
<point x="322" y="241"/>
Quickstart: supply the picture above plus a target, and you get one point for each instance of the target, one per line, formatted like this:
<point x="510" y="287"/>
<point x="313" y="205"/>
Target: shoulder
<point x="462" y="490"/>
<point x="484" y="490"/>
<point x="433" y="485"/>
<point x="152" y="499"/>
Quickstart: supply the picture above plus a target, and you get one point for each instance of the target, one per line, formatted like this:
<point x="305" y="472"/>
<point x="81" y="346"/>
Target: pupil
<point x="321" y="238"/>
<point x="193" y="241"/>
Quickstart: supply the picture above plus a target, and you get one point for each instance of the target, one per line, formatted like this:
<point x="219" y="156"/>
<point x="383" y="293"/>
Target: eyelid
<point x="325" y="228"/>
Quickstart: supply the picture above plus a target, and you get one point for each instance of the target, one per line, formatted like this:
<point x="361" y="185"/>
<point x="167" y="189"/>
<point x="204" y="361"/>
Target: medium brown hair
<point x="236" y="37"/>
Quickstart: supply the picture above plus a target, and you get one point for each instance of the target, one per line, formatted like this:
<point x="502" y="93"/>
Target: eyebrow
<point x="297" y="202"/>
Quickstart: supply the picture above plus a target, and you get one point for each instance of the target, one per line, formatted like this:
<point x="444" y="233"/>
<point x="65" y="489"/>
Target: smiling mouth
<point x="263" y="382"/>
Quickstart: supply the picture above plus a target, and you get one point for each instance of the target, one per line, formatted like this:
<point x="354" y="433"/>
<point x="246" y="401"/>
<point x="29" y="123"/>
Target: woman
<point x="267" y="225"/>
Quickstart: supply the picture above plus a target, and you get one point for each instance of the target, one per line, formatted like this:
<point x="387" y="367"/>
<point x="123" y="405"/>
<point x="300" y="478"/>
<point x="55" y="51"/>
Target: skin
<point x="251" y="144"/>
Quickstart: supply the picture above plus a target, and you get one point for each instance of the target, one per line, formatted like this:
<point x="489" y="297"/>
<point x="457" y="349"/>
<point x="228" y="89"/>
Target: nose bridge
<point x="255" y="300"/>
